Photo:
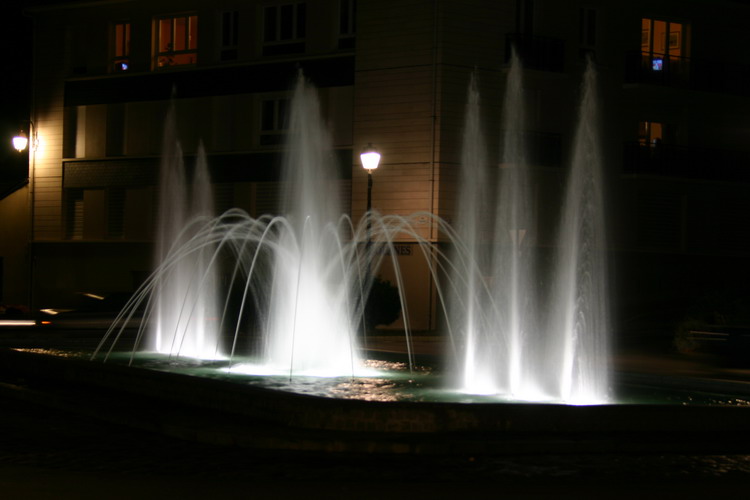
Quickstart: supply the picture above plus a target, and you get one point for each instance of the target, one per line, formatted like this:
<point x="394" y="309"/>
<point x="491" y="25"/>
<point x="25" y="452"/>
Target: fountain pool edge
<point x="224" y="413"/>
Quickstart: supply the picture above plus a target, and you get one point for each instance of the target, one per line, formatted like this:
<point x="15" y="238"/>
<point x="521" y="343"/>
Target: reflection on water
<point x="369" y="389"/>
<point x="389" y="381"/>
<point x="54" y="352"/>
<point x="393" y="381"/>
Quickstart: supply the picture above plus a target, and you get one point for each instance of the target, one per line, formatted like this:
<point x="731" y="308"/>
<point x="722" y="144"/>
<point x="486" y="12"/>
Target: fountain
<point x="509" y="348"/>
<point x="294" y="287"/>
<point x="283" y="297"/>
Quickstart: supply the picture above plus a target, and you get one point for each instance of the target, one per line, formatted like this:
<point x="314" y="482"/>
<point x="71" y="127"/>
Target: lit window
<point x="121" y="47"/>
<point x="651" y="134"/>
<point x="176" y="41"/>
<point x="663" y="42"/>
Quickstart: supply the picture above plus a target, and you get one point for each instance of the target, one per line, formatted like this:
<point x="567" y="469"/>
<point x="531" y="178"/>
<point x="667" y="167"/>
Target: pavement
<point x="46" y="452"/>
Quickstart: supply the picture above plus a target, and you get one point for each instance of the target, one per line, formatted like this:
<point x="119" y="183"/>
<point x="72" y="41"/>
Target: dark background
<point x="15" y="100"/>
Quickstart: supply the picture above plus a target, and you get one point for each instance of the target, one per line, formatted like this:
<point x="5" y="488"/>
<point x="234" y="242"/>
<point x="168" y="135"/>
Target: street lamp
<point x="370" y="158"/>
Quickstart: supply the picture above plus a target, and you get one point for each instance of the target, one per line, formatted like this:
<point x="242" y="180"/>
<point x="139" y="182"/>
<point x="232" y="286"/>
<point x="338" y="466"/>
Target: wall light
<point x="21" y="140"/>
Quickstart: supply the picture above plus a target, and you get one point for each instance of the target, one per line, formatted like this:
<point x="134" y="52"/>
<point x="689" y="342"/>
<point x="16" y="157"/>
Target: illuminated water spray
<point x="517" y="340"/>
<point x="286" y="293"/>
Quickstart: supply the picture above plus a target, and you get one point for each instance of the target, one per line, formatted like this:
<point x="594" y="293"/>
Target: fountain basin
<point x="222" y="412"/>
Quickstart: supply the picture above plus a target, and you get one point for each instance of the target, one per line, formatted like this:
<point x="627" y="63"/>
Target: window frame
<point x="275" y="134"/>
<point x="277" y="37"/>
<point x="648" y="39"/>
<point x="120" y="52"/>
<point x="347" y="23"/>
<point x="164" y="59"/>
<point x="229" y="35"/>
<point x="588" y="27"/>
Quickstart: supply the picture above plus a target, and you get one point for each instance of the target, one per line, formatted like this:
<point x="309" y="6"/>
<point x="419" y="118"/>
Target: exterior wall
<point x="100" y="133"/>
<point x="45" y="169"/>
<point x="14" y="242"/>
<point x="402" y="88"/>
<point x="395" y="106"/>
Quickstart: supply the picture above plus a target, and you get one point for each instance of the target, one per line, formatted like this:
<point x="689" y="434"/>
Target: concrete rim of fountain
<point x="223" y="413"/>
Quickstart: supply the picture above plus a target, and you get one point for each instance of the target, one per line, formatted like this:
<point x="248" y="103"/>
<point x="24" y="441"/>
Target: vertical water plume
<point x="508" y="349"/>
<point x="472" y="310"/>
<point x="311" y="323"/>
<point x="184" y="307"/>
<point x="493" y="224"/>
<point x="581" y="310"/>
<point x="513" y="230"/>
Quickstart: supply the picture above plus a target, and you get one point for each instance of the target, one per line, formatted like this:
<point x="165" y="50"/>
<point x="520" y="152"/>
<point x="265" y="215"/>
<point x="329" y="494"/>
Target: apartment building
<point x="673" y="76"/>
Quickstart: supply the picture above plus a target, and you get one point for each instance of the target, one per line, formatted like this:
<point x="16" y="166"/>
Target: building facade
<point x="674" y="81"/>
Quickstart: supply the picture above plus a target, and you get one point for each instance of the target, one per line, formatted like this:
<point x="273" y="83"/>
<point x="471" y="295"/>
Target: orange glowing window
<point x="653" y="133"/>
<point x="121" y="47"/>
<point x="664" y="38"/>
<point x="176" y="41"/>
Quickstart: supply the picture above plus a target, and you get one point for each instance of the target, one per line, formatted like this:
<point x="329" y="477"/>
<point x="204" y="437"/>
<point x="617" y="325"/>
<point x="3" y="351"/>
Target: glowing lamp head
<point x="370" y="158"/>
<point x="21" y="141"/>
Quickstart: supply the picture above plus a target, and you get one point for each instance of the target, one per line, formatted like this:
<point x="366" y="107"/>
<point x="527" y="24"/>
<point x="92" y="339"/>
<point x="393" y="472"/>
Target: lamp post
<point x="370" y="158"/>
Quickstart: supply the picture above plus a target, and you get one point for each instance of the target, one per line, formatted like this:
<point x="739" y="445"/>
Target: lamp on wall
<point x="21" y="140"/>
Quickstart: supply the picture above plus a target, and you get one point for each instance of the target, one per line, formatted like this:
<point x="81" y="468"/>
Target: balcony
<point x="686" y="163"/>
<point x="536" y="52"/>
<point x="684" y="72"/>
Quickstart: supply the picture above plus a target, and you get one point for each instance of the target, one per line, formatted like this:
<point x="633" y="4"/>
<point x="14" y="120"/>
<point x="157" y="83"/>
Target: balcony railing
<point x="709" y="76"/>
<point x="687" y="163"/>
<point x="536" y="52"/>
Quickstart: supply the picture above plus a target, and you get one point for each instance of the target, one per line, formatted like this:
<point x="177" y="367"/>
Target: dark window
<point x="284" y="28"/>
<point x="525" y="17"/>
<point x="115" y="213"/>
<point x="270" y="24"/>
<point x="587" y="27"/>
<point x="229" y="35"/>
<point x="74" y="214"/>
<point x="347" y="23"/>
<point x="273" y="121"/>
